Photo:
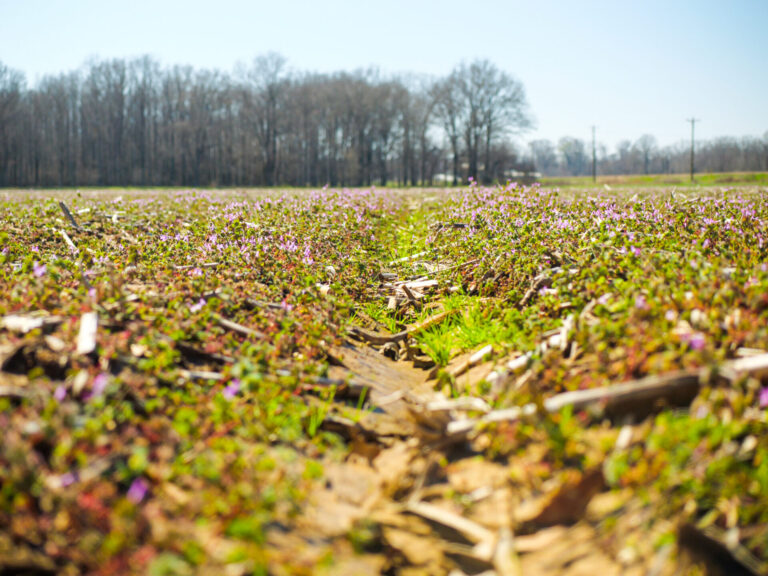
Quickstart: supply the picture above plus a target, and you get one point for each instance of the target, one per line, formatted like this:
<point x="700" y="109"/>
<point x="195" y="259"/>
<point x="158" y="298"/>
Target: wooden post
<point x="693" y="125"/>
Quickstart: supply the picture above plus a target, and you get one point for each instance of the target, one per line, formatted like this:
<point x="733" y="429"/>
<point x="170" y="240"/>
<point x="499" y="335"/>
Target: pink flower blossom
<point x="763" y="399"/>
<point x="99" y="385"/>
<point x="137" y="491"/>
<point x="697" y="341"/>
<point x="197" y="307"/>
<point x="68" y="478"/>
<point x="38" y="270"/>
<point x="232" y="389"/>
<point x="60" y="393"/>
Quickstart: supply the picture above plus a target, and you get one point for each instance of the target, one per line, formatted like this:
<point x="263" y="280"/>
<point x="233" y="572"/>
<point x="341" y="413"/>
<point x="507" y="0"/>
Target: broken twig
<point x="235" y="327"/>
<point x="380" y="339"/>
<point x="69" y="216"/>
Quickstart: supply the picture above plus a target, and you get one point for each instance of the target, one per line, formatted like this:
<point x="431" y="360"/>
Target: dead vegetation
<point x="261" y="394"/>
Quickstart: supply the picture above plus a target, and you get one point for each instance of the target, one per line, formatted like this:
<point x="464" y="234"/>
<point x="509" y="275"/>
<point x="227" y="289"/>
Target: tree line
<point x="135" y="122"/>
<point x="573" y="156"/>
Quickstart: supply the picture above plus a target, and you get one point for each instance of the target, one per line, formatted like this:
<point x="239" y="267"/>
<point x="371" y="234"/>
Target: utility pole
<point x="594" y="157"/>
<point x="693" y="125"/>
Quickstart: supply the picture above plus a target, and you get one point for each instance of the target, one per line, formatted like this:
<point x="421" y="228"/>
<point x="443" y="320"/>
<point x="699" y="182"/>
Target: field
<point x="510" y="380"/>
<point x="724" y="179"/>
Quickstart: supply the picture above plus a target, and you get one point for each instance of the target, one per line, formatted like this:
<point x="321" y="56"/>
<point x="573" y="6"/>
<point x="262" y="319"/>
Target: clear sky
<point x="629" y="67"/>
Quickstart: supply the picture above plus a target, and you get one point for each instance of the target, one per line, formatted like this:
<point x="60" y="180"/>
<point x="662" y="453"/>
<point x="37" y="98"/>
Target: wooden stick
<point x="26" y="323"/>
<point x="381" y="339"/>
<point x="541" y="281"/>
<point x="69" y="216"/>
<point x="200" y="375"/>
<point x="755" y="366"/>
<point x="68" y="240"/>
<point x="473" y="360"/>
<point x="14" y="392"/>
<point x="472" y="531"/>
<point x="86" y="338"/>
<point x="235" y="327"/>
<point x="638" y="396"/>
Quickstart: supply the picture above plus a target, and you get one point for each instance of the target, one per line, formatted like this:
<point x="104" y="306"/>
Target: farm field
<point x="507" y="380"/>
<point x="723" y="179"/>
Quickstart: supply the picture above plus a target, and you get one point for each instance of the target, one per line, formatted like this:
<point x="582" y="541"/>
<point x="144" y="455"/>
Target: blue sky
<point x="628" y="67"/>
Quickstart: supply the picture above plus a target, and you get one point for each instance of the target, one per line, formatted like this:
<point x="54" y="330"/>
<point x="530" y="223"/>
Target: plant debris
<point x="502" y="380"/>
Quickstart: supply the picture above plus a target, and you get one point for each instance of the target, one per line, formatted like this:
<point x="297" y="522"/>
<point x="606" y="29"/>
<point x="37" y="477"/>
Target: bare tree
<point x="646" y="146"/>
<point x="544" y="156"/>
<point x="270" y="83"/>
<point x="574" y="154"/>
<point x="494" y="105"/>
<point x="449" y="110"/>
<point x="11" y="91"/>
<point x="135" y="122"/>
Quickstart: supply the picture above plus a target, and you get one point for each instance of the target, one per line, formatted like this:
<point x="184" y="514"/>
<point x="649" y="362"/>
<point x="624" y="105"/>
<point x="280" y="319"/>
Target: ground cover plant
<point x="508" y="380"/>
<point x="724" y="179"/>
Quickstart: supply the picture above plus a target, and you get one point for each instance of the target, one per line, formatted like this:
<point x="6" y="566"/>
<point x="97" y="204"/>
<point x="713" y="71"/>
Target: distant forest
<point x="137" y="123"/>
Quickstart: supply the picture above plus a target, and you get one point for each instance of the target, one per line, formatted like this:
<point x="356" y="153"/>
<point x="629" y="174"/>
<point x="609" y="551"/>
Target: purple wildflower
<point x="763" y="400"/>
<point x="232" y="389"/>
<point x="670" y="316"/>
<point x="68" y="478"/>
<point x="60" y="393"/>
<point x="636" y="251"/>
<point x="697" y="341"/>
<point x="603" y="300"/>
<point x="99" y="384"/>
<point x="308" y="256"/>
<point x="641" y="303"/>
<point x="38" y="270"/>
<point x="195" y="272"/>
<point x="138" y="490"/>
<point x="197" y="307"/>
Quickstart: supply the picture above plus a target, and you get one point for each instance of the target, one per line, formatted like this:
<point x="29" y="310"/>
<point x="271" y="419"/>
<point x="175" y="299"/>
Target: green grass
<point x="661" y="180"/>
<point x="656" y="282"/>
